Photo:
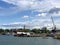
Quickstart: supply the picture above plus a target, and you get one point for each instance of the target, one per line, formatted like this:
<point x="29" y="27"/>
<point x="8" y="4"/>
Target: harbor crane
<point x="54" y="26"/>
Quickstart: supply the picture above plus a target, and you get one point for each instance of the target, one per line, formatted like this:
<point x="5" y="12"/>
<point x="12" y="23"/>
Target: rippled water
<point x="11" y="40"/>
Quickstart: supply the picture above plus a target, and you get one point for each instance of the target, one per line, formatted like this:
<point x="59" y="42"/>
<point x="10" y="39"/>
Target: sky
<point x="31" y="13"/>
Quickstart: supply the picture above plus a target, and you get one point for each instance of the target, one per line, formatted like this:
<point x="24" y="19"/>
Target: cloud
<point x="25" y="16"/>
<point x="32" y="4"/>
<point x="54" y="12"/>
<point x="55" y="3"/>
<point x="41" y="15"/>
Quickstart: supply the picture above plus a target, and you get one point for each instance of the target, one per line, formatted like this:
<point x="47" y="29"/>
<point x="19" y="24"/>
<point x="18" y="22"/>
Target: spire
<point x="24" y="27"/>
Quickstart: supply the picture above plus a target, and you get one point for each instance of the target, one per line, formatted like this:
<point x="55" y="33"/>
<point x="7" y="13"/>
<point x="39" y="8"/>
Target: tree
<point x="7" y="30"/>
<point x="26" y="30"/>
<point x="20" y="30"/>
<point x="35" y="30"/>
<point x="45" y="30"/>
<point x="1" y="30"/>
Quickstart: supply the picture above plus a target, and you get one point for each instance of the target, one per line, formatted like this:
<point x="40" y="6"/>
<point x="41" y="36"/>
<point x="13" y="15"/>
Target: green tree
<point x="45" y="30"/>
<point x="26" y="30"/>
<point x="1" y="30"/>
<point x="7" y="30"/>
<point x="20" y="30"/>
<point x="35" y="30"/>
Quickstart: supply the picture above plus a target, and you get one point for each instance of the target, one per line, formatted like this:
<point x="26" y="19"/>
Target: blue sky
<point x="32" y="13"/>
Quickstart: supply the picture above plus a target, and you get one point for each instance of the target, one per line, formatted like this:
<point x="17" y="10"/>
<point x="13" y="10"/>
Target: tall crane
<point x="54" y="26"/>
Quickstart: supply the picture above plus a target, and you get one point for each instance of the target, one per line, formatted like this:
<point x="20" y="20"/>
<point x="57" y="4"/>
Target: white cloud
<point x="37" y="27"/>
<point x="55" y="3"/>
<point x="35" y="5"/>
<point x="25" y="16"/>
<point x="44" y="5"/>
<point x="41" y="15"/>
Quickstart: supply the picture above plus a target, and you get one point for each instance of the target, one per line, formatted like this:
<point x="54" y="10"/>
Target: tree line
<point x="43" y="30"/>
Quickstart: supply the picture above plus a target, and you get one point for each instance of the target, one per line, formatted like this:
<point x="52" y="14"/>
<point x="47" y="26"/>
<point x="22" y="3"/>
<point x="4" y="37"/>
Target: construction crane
<point x="53" y="23"/>
<point x="54" y="26"/>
